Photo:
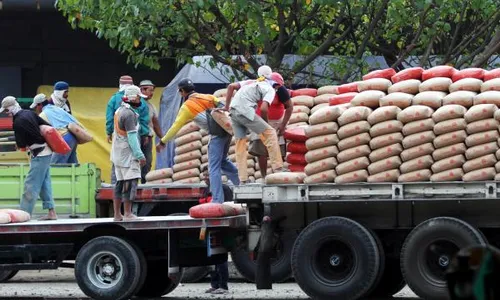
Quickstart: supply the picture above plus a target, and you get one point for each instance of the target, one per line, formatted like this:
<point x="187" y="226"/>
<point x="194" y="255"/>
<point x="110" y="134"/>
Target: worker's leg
<point x="113" y="174"/>
<point x="263" y="165"/>
<point x="214" y="279"/>
<point x="227" y="167"/>
<point x="33" y="183"/>
<point x="66" y="158"/>
<point x="147" y="149"/>
<point x="117" y="200"/>
<point x="240" y="133"/>
<point x="46" y="194"/>
<point x="222" y="270"/>
<point x="215" y="153"/>
<point x="128" y="199"/>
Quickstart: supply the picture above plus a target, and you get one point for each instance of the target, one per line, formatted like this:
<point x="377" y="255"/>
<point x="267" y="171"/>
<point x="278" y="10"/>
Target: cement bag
<point x="419" y="163"/>
<point x="482" y="125"/>
<point x="386" y="127"/>
<point x="438" y="71"/>
<point x="54" y="139"/>
<point x="4" y="218"/>
<point x="448" y="112"/>
<point x="476" y="73"/>
<point x="196" y="154"/>
<point x="448" y="175"/>
<point x="418" y="139"/>
<point x="296" y="147"/>
<point x="301" y="109"/>
<point x="440" y="84"/>
<point x="189" y="180"/>
<point x="220" y="93"/>
<point x="298" y="117"/>
<point x="285" y="178"/>
<point x="342" y="98"/>
<point x="479" y="163"/>
<point x="497" y="154"/>
<point x="353" y="129"/>
<point x="353" y="141"/>
<point x="348" y="87"/>
<point x="321" y="129"/>
<point x="491" y="85"/>
<point x="489" y="97"/>
<point x="315" y="108"/>
<point x="416" y="176"/>
<point x="466" y="84"/>
<point x="159" y="174"/>
<point x="383" y="165"/>
<point x="321" y="153"/>
<point x="17" y="215"/>
<point x="406" y="74"/>
<point x="204" y="149"/>
<point x="296" y="168"/>
<point x="376" y="84"/>
<point x="353" y="153"/>
<point x="326" y="114"/>
<point x="321" y="141"/>
<point x="186" y="174"/>
<point x="480" y="112"/>
<point x="418" y="126"/>
<point x="497" y="177"/>
<point x="321" y="177"/>
<point x="417" y="151"/>
<point x="433" y="99"/>
<point x="401" y="100"/>
<point x="449" y="126"/>
<point x="352" y="177"/>
<point x="415" y="113"/>
<point x="385" y="176"/>
<point x="385" y="73"/>
<point x="481" y="138"/>
<point x="190" y="147"/>
<point x="488" y="75"/>
<point x="323" y="99"/>
<point x="386" y="140"/>
<point x="222" y="118"/>
<point x="359" y="163"/>
<point x="82" y="136"/>
<point x="321" y="165"/>
<point x="231" y="150"/>
<point x="188" y="128"/>
<point x="303" y="100"/>
<point x="297" y="125"/>
<point x="190" y="137"/>
<point x="204" y="158"/>
<point x="407" y="87"/>
<point x="304" y="92"/>
<point x="450" y="138"/>
<point x="368" y="98"/>
<point x="328" y="89"/>
<point x="160" y="181"/>
<point x="354" y="114"/>
<point x="190" y="164"/>
<point x="211" y="210"/>
<point x="497" y="166"/>
<point x="448" y="163"/>
<point x="295" y="135"/>
<point x="385" y="152"/>
<point x="480" y="175"/>
<point x="497" y="115"/>
<point x="381" y="114"/>
<point x="449" y="151"/>
<point x="205" y="139"/>
<point x="296" y="159"/>
<point x="481" y="150"/>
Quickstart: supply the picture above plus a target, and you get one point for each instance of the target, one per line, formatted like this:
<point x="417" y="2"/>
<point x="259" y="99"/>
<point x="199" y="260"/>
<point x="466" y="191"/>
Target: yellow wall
<point x="88" y="105"/>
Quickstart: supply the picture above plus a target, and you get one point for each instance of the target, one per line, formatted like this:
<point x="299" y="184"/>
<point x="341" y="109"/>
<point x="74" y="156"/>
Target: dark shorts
<point x="126" y="190"/>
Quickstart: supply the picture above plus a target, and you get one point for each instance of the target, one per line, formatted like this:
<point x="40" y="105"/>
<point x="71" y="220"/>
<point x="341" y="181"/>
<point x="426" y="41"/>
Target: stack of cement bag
<point x="188" y="157"/>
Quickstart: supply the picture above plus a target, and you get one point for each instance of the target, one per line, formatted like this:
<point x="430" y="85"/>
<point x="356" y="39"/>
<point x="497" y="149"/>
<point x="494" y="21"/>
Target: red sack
<point x="54" y="139"/>
<point x="385" y="73"/>
<point x="16" y="215"/>
<point x="211" y="210"/>
<point x="295" y="134"/>
<point x="304" y="92"/>
<point x="477" y="73"/>
<point x="488" y="75"/>
<point x="296" y="159"/>
<point x="296" y="168"/>
<point x="297" y="147"/>
<point x="342" y="99"/>
<point x="348" y="87"/>
<point x="406" y="74"/>
<point x="438" y="71"/>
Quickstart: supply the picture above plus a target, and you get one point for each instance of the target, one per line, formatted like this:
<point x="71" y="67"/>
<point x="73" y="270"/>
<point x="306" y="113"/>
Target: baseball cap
<point x="61" y="86"/>
<point x="7" y="102"/>
<point x="126" y="79"/>
<point x="146" y="83"/>
<point x="133" y="90"/>
<point x="38" y="99"/>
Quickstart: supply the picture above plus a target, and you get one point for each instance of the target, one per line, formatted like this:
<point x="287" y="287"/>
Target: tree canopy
<point x="457" y="32"/>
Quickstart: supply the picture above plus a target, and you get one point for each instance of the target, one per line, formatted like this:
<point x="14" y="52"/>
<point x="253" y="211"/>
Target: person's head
<point x="61" y="89"/>
<point x="147" y="88"/>
<point x="10" y="106"/>
<point x="206" y="177"/>
<point x="39" y="102"/>
<point x="264" y="71"/>
<point x="124" y="82"/>
<point x="133" y="96"/>
<point x="186" y="86"/>
<point x="276" y="80"/>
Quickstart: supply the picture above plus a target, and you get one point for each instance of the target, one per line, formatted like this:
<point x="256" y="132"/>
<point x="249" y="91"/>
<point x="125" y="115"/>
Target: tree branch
<point x="279" y="51"/>
<point x="492" y="48"/>
<point x="455" y="34"/>
<point x="371" y="27"/>
<point x="427" y="53"/>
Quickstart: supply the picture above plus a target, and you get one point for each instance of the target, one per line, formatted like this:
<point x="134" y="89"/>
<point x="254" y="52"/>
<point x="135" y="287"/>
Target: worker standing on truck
<point x="148" y="89"/>
<point x="244" y="116"/>
<point x="26" y="125"/>
<point x="126" y="153"/>
<point x="59" y="119"/>
<point x="198" y="107"/>
<point x="60" y="96"/>
<point x="114" y="103"/>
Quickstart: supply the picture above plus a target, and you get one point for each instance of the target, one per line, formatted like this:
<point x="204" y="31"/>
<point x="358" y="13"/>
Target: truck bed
<point x="152" y="193"/>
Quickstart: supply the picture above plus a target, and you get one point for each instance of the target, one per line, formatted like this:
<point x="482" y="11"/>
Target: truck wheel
<point x="336" y="257"/>
<point x="157" y="282"/>
<point x="281" y="269"/>
<point x="107" y="267"/>
<point x="194" y="274"/>
<point x="428" y="250"/>
<point x="391" y="281"/>
<point x="6" y="275"/>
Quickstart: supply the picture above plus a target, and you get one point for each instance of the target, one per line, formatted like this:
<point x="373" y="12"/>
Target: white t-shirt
<point x="245" y="100"/>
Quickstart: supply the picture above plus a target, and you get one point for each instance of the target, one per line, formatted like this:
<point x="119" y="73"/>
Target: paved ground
<point x="60" y="284"/>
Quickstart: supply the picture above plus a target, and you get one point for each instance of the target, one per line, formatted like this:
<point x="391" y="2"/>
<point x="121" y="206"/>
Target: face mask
<point x="14" y="109"/>
<point x="135" y="105"/>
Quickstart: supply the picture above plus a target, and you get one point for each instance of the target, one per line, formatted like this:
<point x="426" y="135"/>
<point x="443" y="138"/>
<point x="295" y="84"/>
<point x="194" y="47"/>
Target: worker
<point x="148" y="89"/>
<point x="59" y="119"/>
<point x="244" y="116"/>
<point x="26" y="125"/>
<point x="114" y="103"/>
<point x="60" y="96"/>
<point x="197" y="107"/>
<point x="126" y="153"/>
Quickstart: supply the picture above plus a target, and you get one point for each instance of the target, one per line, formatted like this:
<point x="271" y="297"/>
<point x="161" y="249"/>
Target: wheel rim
<point x="334" y="262"/>
<point x="105" y="270"/>
<point x="435" y="259"/>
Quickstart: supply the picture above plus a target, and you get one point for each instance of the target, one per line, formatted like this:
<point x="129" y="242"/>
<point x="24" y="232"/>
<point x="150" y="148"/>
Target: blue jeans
<point x="218" y="164"/>
<point x="70" y="157"/>
<point x="220" y="276"/>
<point x="38" y="183"/>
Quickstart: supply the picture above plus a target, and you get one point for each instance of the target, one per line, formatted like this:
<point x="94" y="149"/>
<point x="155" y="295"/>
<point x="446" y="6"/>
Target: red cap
<point x="125" y="79"/>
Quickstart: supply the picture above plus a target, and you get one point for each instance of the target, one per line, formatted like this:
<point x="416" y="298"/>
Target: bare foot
<point x="47" y="218"/>
<point x="131" y="217"/>
<point x="118" y="218"/>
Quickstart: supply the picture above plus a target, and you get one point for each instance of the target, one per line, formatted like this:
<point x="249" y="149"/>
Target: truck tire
<point x="157" y="282"/>
<point x="281" y="269"/>
<point x="428" y="250"/>
<point x="336" y="257"/>
<point x="391" y="280"/>
<point x="107" y="268"/>
<point x="194" y="274"/>
<point x="6" y="275"/>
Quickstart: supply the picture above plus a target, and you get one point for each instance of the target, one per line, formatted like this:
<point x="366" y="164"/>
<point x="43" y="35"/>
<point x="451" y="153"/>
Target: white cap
<point x="7" y="102"/>
<point x="264" y="70"/>
<point x="38" y="99"/>
<point x="133" y="91"/>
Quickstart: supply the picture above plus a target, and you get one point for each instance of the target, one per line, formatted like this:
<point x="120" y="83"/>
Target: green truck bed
<point x="74" y="188"/>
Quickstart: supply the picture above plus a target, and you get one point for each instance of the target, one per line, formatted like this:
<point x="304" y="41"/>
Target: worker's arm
<point x="144" y="118"/>
<point x="264" y="107"/>
<point x="129" y="124"/>
<point x="184" y="116"/>
<point x="110" y="115"/>
<point x="288" y="113"/>
<point x="156" y="126"/>
<point x="230" y="90"/>
<point x="268" y="97"/>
